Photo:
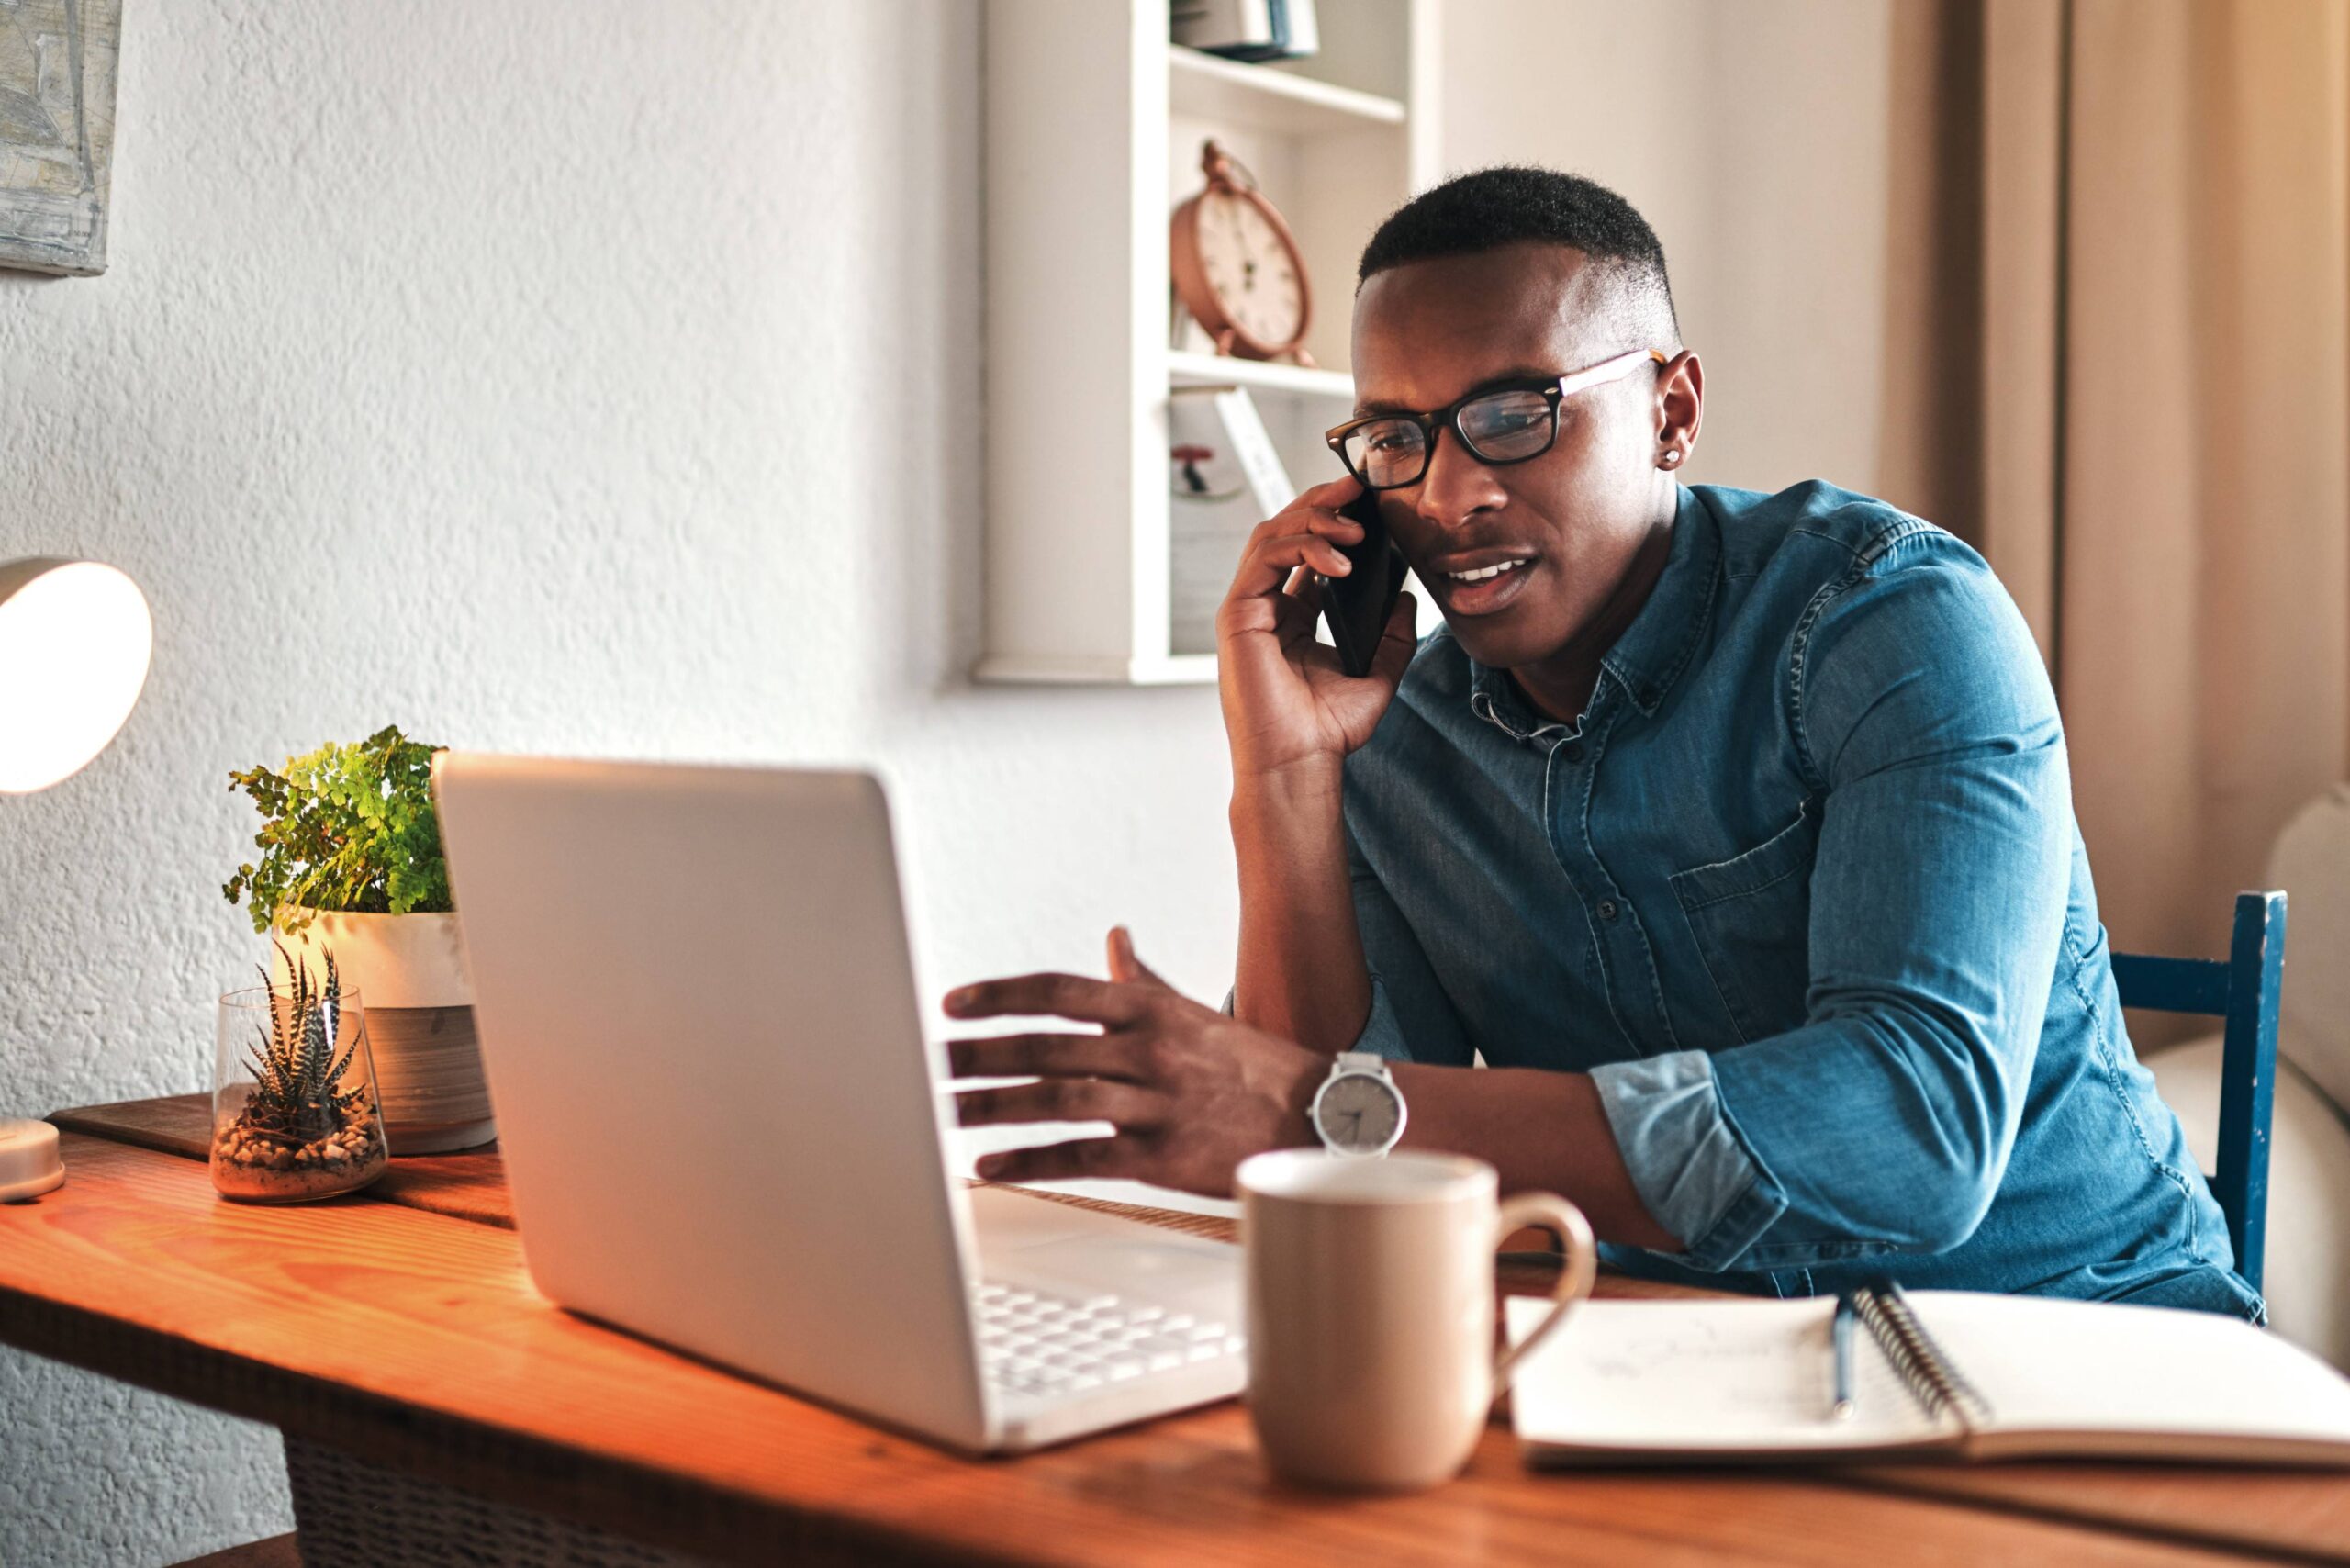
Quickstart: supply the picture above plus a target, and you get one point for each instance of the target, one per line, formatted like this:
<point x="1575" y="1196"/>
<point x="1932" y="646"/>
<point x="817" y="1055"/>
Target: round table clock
<point x="1235" y="266"/>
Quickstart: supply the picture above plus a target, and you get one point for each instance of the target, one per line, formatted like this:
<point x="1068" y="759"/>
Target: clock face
<point x="1249" y="267"/>
<point x="1359" y="1113"/>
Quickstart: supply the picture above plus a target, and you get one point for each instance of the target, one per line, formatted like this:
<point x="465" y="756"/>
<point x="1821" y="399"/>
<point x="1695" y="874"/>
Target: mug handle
<point x="1553" y="1214"/>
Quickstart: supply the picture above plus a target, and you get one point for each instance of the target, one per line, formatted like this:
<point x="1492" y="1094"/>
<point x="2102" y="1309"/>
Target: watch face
<point x="1249" y="267"/>
<point x="1359" y="1113"/>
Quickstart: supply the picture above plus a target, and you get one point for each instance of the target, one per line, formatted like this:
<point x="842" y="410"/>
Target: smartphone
<point x="1357" y="606"/>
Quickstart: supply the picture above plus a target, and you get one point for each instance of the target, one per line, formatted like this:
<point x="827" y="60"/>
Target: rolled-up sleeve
<point x="1883" y="1122"/>
<point x="1693" y="1171"/>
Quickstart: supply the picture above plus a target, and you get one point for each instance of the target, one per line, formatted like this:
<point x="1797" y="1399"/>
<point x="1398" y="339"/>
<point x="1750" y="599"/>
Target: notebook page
<point x="1701" y="1376"/>
<point x="2072" y="1366"/>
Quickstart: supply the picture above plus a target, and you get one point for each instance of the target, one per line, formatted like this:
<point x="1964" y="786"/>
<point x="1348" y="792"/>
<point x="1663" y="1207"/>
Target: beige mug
<point x="1371" y="1309"/>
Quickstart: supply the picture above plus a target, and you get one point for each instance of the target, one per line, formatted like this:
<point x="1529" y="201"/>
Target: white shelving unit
<point x="1259" y="376"/>
<point x="1207" y="87"/>
<point x="1093" y="124"/>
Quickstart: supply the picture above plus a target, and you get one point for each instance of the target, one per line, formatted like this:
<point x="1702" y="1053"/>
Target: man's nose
<point x="1455" y="486"/>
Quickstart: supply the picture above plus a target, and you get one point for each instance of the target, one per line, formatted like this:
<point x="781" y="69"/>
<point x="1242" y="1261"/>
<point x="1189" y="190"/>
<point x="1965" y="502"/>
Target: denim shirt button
<point x="1572" y="751"/>
<point x="1606" y="909"/>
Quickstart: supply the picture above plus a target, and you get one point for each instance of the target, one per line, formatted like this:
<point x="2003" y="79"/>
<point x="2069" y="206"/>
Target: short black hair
<point x="1513" y="203"/>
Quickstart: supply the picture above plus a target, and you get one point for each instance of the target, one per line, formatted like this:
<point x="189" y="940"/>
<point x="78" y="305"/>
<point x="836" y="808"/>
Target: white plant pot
<point x="409" y="972"/>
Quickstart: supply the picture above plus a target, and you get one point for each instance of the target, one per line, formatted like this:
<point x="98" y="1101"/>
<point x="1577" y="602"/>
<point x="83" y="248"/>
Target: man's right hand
<point x="1288" y="705"/>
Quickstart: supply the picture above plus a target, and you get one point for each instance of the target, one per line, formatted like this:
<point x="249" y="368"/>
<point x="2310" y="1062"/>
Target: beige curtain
<point x="2119" y="362"/>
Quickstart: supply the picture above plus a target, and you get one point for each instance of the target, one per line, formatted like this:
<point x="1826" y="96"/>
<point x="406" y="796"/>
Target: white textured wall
<point x="590" y="376"/>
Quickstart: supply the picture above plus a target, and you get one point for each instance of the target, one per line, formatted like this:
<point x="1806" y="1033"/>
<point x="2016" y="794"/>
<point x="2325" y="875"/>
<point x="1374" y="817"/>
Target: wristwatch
<point x="1357" y="1110"/>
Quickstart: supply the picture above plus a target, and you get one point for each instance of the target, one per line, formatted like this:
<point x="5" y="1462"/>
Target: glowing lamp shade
<point x="74" y="636"/>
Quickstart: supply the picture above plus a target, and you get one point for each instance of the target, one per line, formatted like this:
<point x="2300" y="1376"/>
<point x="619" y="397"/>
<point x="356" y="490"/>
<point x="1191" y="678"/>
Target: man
<point x="1733" y="830"/>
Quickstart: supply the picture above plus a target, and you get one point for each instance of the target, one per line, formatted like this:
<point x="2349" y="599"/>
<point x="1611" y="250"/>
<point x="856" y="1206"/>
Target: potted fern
<point x="295" y="1115"/>
<point x="351" y="865"/>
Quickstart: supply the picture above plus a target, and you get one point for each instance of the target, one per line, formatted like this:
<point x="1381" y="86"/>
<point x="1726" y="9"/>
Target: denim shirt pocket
<point x="1751" y="917"/>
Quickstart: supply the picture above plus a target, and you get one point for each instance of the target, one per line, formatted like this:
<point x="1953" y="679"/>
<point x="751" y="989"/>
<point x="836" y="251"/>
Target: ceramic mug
<point x="1372" y="1361"/>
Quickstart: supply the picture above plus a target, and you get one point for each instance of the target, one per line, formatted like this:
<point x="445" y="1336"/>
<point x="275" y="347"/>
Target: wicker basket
<point x="351" y="1514"/>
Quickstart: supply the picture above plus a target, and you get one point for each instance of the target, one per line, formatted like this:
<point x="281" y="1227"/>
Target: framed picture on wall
<point x="57" y="78"/>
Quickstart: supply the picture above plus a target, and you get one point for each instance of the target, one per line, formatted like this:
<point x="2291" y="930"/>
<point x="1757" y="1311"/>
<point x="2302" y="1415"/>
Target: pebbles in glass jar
<point x="294" y="1111"/>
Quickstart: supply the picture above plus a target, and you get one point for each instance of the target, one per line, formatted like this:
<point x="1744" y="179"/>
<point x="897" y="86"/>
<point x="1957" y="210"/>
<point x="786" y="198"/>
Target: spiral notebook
<point x="1936" y="1374"/>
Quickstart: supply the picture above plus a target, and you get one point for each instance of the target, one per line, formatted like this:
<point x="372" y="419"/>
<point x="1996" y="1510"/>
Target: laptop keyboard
<point x="1040" y="1345"/>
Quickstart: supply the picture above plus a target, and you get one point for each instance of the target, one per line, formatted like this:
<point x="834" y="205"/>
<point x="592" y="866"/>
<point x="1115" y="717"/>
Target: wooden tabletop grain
<point x="412" y="1336"/>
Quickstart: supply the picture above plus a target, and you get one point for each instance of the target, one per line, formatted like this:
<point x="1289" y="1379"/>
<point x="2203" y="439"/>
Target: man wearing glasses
<point x="1732" y="830"/>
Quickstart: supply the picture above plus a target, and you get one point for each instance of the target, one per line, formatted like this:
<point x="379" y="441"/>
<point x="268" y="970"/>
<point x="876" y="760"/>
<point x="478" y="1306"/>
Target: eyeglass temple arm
<point x="1615" y="369"/>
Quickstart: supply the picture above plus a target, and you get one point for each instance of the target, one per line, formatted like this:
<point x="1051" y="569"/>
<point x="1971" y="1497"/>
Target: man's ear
<point x="1680" y="407"/>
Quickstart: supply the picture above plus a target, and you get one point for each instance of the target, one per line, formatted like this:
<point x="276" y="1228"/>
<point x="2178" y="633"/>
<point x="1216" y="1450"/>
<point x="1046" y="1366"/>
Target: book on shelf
<point x="1252" y="447"/>
<point x="1247" y="29"/>
<point x="1227" y="477"/>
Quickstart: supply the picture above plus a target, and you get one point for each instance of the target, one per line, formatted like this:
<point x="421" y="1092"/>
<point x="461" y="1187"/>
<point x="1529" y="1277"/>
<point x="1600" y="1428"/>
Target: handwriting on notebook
<point x="1675" y="1346"/>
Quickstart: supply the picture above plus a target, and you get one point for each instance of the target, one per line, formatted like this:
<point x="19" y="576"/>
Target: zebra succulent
<point x="298" y="1095"/>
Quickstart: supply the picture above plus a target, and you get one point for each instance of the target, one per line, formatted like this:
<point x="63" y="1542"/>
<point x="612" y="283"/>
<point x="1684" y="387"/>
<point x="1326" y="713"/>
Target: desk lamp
<point x="75" y="637"/>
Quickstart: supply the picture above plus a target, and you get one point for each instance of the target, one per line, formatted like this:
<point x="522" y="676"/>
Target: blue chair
<point x="2243" y="990"/>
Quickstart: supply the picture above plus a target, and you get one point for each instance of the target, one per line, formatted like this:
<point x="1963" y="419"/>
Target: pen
<point x="1843" y="1410"/>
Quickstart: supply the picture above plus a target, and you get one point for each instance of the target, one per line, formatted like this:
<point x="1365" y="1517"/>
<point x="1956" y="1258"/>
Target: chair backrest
<point x="2243" y="990"/>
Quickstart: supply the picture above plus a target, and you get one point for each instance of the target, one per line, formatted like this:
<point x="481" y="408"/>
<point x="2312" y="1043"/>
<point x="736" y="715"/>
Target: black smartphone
<point x="1357" y="606"/>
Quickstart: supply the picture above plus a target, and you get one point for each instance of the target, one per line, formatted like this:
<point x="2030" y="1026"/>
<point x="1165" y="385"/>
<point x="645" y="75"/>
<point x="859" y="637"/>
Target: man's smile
<point x="1478" y="582"/>
<point x="1494" y="570"/>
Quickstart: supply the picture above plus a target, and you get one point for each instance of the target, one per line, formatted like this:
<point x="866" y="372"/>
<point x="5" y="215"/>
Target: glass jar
<point x="294" y="1111"/>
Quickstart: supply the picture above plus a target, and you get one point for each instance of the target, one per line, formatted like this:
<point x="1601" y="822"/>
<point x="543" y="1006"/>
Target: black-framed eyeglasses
<point x="1499" y="423"/>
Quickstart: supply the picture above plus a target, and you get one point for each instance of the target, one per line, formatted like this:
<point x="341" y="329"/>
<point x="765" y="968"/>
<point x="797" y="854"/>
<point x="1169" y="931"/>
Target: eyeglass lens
<point x="1504" y="427"/>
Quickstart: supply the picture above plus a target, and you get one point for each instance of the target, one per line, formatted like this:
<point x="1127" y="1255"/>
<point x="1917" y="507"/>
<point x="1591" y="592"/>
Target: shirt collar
<point x="1494" y="699"/>
<point x="1654" y="649"/>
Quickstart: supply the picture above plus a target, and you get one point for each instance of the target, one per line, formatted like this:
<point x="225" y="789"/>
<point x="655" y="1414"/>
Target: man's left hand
<point x="1191" y="1091"/>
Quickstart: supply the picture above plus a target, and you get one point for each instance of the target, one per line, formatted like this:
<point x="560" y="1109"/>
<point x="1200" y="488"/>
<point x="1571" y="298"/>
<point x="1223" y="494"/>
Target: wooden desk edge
<point x="647" y="1506"/>
<point x="1975" y="1485"/>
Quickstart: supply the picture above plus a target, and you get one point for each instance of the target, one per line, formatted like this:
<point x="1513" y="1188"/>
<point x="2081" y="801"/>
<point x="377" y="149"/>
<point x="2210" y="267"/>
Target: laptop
<point x="724" y="1129"/>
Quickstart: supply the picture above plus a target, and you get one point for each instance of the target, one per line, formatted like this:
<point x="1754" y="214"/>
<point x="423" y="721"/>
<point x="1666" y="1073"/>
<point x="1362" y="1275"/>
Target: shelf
<point x="1205" y="87"/>
<point x="1091" y="128"/>
<point x="1163" y="669"/>
<point x="1262" y="376"/>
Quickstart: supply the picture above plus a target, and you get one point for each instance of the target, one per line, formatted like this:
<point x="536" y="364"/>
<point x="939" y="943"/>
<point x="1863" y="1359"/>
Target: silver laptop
<point x="723" y="1128"/>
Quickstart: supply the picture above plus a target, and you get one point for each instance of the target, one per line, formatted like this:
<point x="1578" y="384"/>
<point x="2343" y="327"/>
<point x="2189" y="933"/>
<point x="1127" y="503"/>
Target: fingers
<point x="1331" y="493"/>
<point x="1397" y="643"/>
<point x="1295" y="612"/>
<point x="1124" y="967"/>
<point x="1312" y="549"/>
<point x="1095" y="1156"/>
<point x="1261" y="588"/>
<point x="1056" y="1055"/>
<point x="1061" y="1099"/>
<point x="1048" y="995"/>
<point x="1299" y="536"/>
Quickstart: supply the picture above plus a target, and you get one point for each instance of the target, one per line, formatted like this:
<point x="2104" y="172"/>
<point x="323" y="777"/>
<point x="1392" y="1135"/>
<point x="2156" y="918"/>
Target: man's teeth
<point x="1481" y="573"/>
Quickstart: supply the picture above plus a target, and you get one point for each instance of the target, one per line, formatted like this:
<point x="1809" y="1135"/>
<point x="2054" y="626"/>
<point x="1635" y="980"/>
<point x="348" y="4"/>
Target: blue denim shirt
<point x="1801" y="890"/>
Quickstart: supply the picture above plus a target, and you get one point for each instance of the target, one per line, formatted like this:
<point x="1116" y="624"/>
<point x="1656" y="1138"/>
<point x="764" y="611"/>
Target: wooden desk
<point x="401" y="1331"/>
